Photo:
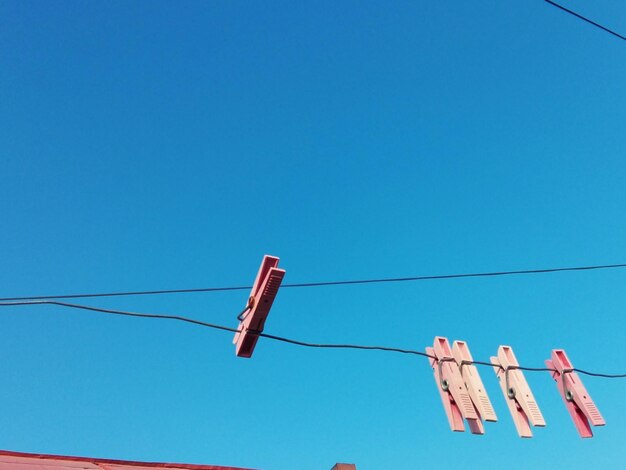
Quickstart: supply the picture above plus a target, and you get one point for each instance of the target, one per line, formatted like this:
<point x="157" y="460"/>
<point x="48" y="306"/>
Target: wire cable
<point x="321" y="284"/>
<point x="577" y="15"/>
<point x="121" y="312"/>
<point x="344" y="346"/>
<point x="280" y="338"/>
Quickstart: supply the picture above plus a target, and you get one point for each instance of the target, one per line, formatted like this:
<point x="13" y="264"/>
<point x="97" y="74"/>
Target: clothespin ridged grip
<point x="252" y="320"/>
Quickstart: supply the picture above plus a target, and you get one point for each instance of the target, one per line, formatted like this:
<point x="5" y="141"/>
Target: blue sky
<point x="148" y="145"/>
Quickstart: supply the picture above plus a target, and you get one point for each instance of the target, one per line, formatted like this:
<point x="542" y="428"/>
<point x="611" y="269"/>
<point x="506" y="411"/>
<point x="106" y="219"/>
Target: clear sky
<point x="148" y="145"/>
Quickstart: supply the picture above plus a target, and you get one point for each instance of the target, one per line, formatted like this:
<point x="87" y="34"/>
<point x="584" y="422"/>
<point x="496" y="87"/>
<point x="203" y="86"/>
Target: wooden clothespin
<point x="577" y="400"/>
<point x="517" y="393"/>
<point x="473" y="382"/>
<point x="252" y="320"/>
<point x="456" y="400"/>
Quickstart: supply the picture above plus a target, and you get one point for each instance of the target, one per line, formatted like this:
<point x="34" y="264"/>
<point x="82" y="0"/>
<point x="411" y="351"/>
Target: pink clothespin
<point x="577" y="400"/>
<point x="473" y="382"/>
<point x="252" y="320"/>
<point x="457" y="402"/>
<point x="519" y="398"/>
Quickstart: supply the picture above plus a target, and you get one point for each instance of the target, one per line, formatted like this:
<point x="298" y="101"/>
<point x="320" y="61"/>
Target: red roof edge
<point x="118" y="462"/>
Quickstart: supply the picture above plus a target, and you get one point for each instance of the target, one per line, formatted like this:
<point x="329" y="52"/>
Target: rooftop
<point x="23" y="461"/>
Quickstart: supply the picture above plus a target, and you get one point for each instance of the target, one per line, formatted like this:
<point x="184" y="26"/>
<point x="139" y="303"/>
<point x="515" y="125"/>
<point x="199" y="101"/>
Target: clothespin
<point x="456" y="400"/>
<point x="252" y="319"/>
<point x="517" y="393"/>
<point x="577" y="400"/>
<point x="473" y="382"/>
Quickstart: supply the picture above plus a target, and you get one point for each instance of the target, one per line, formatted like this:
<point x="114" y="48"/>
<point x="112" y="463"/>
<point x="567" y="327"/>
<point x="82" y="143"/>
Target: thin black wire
<point x="344" y="346"/>
<point x="597" y="374"/>
<point x="129" y="293"/>
<point x="281" y="338"/>
<point x="320" y="284"/>
<point x="577" y="15"/>
<point x="122" y="312"/>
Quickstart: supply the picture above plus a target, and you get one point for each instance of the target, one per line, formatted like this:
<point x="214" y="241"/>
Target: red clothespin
<point x="519" y="398"/>
<point x="252" y="320"/>
<point x="473" y="382"/>
<point x="577" y="400"/>
<point x="457" y="402"/>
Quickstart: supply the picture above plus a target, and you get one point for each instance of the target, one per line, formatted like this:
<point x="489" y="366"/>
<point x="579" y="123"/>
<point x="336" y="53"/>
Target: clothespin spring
<point x="464" y="362"/>
<point x="444" y="383"/>
<point x="242" y="315"/>
<point x="569" y="396"/>
<point x="510" y="391"/>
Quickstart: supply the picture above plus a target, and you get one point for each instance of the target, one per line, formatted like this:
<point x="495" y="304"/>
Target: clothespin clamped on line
<point x="252" y="320"/>
<point x="460" y="387"/>
<point x="517" y="393"/>
<point x="473" y="382"/>
<point x="577" y="400"/>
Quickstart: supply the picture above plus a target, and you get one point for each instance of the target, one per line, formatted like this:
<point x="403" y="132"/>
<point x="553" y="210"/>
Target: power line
<point x="577" y="15"/>
<point x="318" y="284"/>
<point x="281" y="338"/>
